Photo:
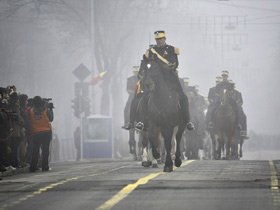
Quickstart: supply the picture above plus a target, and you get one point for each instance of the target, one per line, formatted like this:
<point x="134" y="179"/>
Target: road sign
<point x="81" y="72"/>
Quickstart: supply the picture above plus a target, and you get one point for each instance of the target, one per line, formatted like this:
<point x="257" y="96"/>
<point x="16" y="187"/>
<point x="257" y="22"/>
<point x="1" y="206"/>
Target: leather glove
<point x="190" y="126"/>
<point x="172" y="65"/>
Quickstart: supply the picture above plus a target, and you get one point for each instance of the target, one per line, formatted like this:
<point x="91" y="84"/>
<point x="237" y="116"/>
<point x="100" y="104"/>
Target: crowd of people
<point x="25" y="125"/>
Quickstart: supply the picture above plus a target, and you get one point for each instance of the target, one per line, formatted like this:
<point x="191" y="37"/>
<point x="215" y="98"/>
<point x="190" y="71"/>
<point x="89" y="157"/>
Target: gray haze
<point x="42" y="42"/>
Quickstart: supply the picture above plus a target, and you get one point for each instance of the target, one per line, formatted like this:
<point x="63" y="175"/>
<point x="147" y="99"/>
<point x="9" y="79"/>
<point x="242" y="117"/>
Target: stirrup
<point x="128" y="126"/>
<point x="243" y="134"/>
<point x="190" y="126"/>
<point x="139" y="126"/>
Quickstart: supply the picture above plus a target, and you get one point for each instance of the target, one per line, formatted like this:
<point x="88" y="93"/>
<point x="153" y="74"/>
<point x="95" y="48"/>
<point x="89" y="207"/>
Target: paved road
<point x="105" y="184"/>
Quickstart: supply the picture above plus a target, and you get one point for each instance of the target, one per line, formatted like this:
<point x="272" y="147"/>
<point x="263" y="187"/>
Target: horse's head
<point x="152" y="75"/>
<point x="226" y="106"/>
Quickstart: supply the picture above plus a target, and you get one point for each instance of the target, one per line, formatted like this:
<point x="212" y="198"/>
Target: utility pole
<point x="92" y="57"/>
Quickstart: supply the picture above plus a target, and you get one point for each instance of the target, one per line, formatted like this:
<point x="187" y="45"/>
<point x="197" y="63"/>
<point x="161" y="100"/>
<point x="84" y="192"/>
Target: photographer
<point x="17" y="126"/>
<point x="40" y="118"/>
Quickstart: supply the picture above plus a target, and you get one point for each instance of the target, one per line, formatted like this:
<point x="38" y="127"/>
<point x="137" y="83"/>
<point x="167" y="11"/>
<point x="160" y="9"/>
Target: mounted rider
<point x="242" y="118"/>
<point x="214" y="96"/>
<point x="131" y="86"/>
<point x="213" y="99"/>
<point x="224" y="84"/>
<point x="167" y="57"/>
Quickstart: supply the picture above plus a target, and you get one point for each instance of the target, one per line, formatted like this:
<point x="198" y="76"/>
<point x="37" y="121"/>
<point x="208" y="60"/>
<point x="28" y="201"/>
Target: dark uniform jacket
<point x="213" y="95"/>
<point x="237" y="97"/>
<point x="223" y="85"/>
<point x="168" y="52"/>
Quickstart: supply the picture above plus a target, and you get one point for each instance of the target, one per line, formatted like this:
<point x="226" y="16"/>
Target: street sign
<point x="81" y="72"/>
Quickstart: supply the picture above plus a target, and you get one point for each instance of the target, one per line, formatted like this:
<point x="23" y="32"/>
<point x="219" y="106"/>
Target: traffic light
<point x="81" y="104"/>
<point x="77" y="107"/>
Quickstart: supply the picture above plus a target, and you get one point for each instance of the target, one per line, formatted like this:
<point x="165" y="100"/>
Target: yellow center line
<point x="274" y="186"/>
<point x="51" y="186"/>
<point x="129" y="188"/>
<point x="274" y="178"/>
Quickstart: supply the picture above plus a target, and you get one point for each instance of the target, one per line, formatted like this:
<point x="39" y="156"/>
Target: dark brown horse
<point x="163" y="114"/>
<point x="224" y="120"/>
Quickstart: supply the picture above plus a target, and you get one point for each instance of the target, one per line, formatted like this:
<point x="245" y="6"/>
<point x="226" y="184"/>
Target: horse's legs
<point x="132" y="143"/>
<point x="145" y="156"/>
<point x="140" y="147"/>
<point x="167" y="135"/>
<point x="214" y="147"/>
<point x="153" y="134"/>
<point x="240" y="148"/>
<point x="228" y="147"/>
<point x="220" y="148"/>
<point x="234" y="148"/>
<point x="179" y="134"/>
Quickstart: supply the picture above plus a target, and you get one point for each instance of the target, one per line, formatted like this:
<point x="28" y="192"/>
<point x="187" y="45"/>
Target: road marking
<point x="129" y="188"/>
<point x="274" y="186"/>
<point x="51" y="186"/>
<point x="274" y="178"/>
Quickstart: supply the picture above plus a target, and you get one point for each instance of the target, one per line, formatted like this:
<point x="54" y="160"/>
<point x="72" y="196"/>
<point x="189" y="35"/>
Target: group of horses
<point x="166" y="127"/>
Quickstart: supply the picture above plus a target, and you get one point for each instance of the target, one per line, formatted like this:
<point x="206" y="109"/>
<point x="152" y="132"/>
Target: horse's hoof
<point x="139" y="158"/>
<point x="178" y="162"/>
<point x="147" y="163"/>
<point x="155" y="154"/>
<point x="159" y="161"/>
<point x="134" y="157"/>
<point x="154" y="165"/>
<point x="168" y="169"/>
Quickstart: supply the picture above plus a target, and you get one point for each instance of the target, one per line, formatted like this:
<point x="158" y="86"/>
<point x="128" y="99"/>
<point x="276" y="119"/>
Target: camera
<point x="48" y="103"/>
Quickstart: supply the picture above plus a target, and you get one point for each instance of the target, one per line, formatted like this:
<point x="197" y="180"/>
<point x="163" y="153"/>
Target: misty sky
<point x="241" y="36"/>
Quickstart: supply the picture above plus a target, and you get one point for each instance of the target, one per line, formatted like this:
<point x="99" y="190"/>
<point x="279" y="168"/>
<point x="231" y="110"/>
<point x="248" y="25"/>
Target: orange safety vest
<point x="39" y="123"/>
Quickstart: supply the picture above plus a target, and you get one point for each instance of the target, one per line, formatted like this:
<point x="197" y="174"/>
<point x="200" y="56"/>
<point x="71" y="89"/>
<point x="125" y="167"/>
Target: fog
<point x="42" y="42"/>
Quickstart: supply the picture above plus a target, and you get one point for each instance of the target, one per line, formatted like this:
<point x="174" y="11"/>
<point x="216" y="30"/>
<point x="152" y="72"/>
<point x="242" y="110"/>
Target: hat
<point x="225" y="73"/>
<point x="231" y="82"/>
<point x="135" y="68"/>
<point x="219" y="79"/>
<point x="159" y="34"/>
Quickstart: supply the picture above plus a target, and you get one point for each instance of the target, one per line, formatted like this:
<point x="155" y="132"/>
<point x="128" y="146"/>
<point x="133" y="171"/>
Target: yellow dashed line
<point x="274" y="178"/>
<point x="126" y="191"/>
<point x="129" y="188"/>
<point x="274" y="186"/>
<point x="48" y="187"/>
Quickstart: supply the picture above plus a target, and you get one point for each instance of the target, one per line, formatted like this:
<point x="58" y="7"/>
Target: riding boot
<point x="184" y="103"/>
<point x="209" y="116"/>
<point x="132" y="115"/>
<point x="142" y="123"/>
<point x="243" y="122"/>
